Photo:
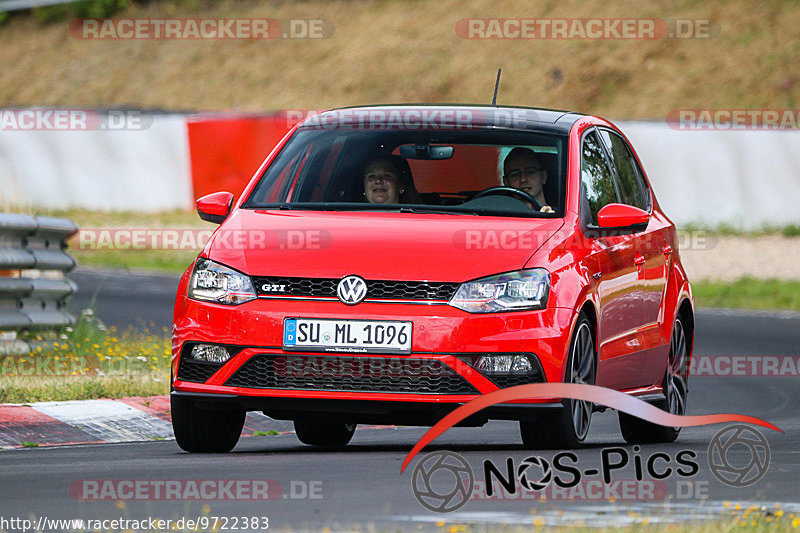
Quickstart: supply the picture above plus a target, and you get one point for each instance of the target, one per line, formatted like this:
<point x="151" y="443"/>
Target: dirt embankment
<point x="382" y="51"/>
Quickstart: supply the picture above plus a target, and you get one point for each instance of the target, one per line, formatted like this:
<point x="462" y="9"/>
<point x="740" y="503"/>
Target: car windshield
<point x="417" y="171"/>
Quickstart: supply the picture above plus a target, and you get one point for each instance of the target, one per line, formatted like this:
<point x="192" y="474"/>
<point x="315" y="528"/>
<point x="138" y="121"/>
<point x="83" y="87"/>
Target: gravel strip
<point x="729" y="258"/>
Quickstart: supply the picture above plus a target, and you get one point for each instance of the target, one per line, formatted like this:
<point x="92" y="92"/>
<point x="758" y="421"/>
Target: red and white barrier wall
<point x="143" y="169"/>
<point x="744" y="178"/>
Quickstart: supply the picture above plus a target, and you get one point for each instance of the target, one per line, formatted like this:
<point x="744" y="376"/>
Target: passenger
<point x="388" y="180"/>
<point x="522" y="170"/>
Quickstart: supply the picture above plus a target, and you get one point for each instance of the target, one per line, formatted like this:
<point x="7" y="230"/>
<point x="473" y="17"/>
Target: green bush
<point x="98" y="9"/>
<point x="85" y="9"/>
<point x="791" y="231"/>
<point x="50" y="14"/>
<point x="3" y="17"/>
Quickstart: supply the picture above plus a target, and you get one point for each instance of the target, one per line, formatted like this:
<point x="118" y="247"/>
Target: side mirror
<point x="622" y="218"/>
<point x="215" y="207"/>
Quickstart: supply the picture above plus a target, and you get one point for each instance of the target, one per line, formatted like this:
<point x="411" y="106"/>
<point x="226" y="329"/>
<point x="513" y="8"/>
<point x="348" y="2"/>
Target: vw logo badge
<point x="352" y="290"/>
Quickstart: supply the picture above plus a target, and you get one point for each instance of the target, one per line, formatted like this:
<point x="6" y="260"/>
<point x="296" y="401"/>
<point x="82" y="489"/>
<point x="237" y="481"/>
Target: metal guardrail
<point x="33" y="285"/>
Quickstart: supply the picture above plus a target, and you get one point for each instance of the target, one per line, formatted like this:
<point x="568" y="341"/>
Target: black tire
<point x="568" y="427"/>
<point x="323" y="431"/>
<point x="205" y="431"/>
<point x="675" y="384"/>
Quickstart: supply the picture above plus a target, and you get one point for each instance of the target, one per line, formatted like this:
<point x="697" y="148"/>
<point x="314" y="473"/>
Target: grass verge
<point x="96" y="252"/>
<point x="161" y="261"/>
<point x="748" y="293"/>
<point x="89" y="361"/>
<point x="90" y="218"/>
<point x="728" y="230"/>
<point x="771" y="520"/>
<point x="29" y="389"/>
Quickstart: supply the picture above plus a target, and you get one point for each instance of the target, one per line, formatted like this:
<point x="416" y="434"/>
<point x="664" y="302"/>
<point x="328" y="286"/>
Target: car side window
<point x="632" y="187"/>
<point x="597" y="185"/>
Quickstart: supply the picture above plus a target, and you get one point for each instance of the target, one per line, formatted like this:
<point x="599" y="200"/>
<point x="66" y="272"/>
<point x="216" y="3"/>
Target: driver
<point x="522" y="170"/>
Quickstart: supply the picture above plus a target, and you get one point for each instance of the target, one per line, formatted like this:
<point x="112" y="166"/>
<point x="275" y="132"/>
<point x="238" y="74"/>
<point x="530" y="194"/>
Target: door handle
<point x="638" y="260"/>
<point x="667" y="249"/>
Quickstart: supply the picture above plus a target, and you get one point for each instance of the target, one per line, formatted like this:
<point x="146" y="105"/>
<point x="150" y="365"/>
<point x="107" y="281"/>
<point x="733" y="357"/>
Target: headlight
<point x="512" y="291"/>
<point x="212" y="282"/>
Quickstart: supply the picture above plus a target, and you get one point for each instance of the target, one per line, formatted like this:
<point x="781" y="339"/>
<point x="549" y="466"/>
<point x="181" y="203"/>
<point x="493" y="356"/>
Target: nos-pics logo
<point x="443" y="481"/>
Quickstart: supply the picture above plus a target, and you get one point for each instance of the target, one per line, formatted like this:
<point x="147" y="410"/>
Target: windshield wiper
<point x="433" y="210"/>
<point x="416" y="209"/>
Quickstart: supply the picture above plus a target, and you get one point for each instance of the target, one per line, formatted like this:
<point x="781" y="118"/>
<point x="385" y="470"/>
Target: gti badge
<point x="351" y="290"/>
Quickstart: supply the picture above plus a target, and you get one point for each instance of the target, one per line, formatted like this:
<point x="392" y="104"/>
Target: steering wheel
<point x="512" y="193"/>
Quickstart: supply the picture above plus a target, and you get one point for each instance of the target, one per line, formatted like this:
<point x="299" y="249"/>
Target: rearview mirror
<point x="622" y="218"/>
<point x="426" y="151"/>
<point x="215" y="207"/>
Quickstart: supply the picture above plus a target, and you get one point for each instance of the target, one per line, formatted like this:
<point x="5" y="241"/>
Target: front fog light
<point x="211" y="353"/>
<point x="494" y="364"/>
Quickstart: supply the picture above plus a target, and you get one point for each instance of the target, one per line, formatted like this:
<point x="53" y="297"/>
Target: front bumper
<point x="408" y="413"/>
<point x="441" y="337"/>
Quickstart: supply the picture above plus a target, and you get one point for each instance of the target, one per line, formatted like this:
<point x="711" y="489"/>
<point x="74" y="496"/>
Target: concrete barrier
<point x="143" y="169"/>
<point x="747" y="179"/>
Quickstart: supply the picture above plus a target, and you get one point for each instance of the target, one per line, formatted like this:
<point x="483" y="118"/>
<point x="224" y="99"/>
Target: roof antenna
<point x="496" y="85"/>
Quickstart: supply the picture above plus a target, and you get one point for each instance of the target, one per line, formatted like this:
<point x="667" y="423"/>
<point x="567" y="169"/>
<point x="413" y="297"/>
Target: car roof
<point x="444" y="116"/>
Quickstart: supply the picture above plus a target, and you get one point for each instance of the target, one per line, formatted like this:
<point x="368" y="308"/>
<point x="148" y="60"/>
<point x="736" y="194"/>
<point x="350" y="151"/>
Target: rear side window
<point x="597" y="185"/>
<point x="632" y="187"/>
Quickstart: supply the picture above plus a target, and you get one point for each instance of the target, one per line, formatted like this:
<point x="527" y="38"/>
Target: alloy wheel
<point x="676" y="382"/>
<point x="582" y="371"/>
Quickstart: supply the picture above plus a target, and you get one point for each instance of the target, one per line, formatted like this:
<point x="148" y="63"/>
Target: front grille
<point x="195" y="371"/>
<point x="376" y="289"/>
<point x="359" y="374"/>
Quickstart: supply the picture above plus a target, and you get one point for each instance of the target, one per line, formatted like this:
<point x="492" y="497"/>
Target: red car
<point x="387" y="264"/>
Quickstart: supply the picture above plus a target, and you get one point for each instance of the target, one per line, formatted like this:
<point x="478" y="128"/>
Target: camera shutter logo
<point x="442" y="481"/>
<point x="529" y="466"/>
<point x="736" y="440"/>
<point x="351" y="290"/>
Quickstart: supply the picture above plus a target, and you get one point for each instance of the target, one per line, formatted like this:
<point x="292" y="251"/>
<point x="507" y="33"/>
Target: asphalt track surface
<point x="361" y="485"/>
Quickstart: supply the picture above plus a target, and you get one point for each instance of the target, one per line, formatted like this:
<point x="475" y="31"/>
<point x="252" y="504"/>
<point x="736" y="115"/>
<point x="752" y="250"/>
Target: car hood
<point x="376" y="245"/>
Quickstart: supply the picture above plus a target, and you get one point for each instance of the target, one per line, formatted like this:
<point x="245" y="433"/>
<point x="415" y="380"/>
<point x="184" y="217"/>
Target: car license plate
<point x="334" y="335"/>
